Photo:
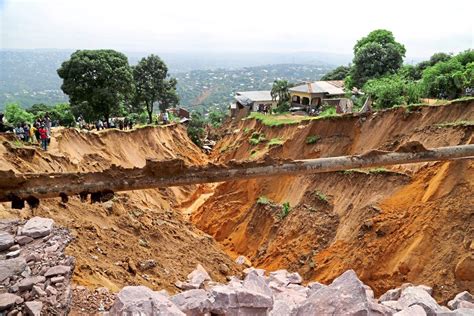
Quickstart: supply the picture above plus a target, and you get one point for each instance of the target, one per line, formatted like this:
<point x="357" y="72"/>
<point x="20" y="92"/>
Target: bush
<point x="321" y="196"/>
<point x="15" y="114"/>
<point x="196" y="128"/>
<point x="256" y="138"/>
<point x="275" y="142"/>
<point x="312" y="139"/>
<point x="263" y="200"/>
<point x="285" y="210"/>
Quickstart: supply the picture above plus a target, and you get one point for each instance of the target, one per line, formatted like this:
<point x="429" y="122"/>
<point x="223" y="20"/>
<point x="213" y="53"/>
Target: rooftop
<point x="255" y="95"/>
<point x="334" y="87"/>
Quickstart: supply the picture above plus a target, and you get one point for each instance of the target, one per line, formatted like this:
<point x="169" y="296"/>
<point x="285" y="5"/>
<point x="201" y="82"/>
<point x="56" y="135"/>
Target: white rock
<point x="463" y="296"/>
<point x="414" y="310"/>
<point x="37" y="227"/>
<point x="33" y="308"/>
<point x="57" y="270"/>
<point x="193" y="302"/>
<point x="6" y="240"/>
<point x="417" y="295"/>
<point x="198" y="276"/>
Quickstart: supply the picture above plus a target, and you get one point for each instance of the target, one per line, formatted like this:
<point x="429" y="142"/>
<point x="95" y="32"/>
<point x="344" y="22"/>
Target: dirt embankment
<point x="410" y="223"/>
<point x="138" y="237"/>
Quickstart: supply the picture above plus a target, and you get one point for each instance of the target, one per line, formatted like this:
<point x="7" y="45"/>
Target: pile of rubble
<point x="281" y="293"/>
<point x="34" y="271"/>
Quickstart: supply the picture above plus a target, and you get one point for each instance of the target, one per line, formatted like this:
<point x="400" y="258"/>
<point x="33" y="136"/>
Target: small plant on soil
<point x="263" y="200"/>
<point x="275" y="142"/>
<point x="256" y="138"/>
<point x="312" y="139"/>
<point x="321" y="196"/>
<point x="17" y="143"/>
<point x="285" y="210"/>
<point x="246" y="130"/>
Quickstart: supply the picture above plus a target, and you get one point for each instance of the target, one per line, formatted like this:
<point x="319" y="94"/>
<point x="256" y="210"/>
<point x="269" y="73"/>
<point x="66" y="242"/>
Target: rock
<point x="391" y="295"/>
<point x="257" y="283"/>
<point x="33" y="308"/>
<point x="7" y="300"/>
<point x="27" y="284"/>
<point x="57" y="279"/>
<point x="294" y="278"/>
<point x="280" y="277"/>
<point x="346" y="295"/>
<point x="6" y="240"/>
<point x="57" y="270"/>
<point x="140" y="300"/>
<point x="223" y="299"/>
<point x="260" y="272"/>
<point x="417" y="295"/>
<point x="147" y="265"/>
<point x="23" y="240"/>
<point x="464" y="270"/>
<point x="224" y="269"/>
<point x="37" y="227"/>
<point x="464" y="304"/>
<point x="242" y="260"/>
<point x="463" y="296"/>
<point x="314" y="286"/>
<point x="14" y="248"/>
<point x="32" y="257"/>
<point x="51" y="290"/>
<point x="193" y="302"/>
<point x="13" y="254"/>
<point x="393" y="305"/>
<point x="11" y="267"/>
<point x="38" y="291"/>
<point x="198" y="276"/>
<point x="457" y="312"/>
<point x="415" y="310"/>
<point x="286" y="302"/>
<point x="427" y="288"/>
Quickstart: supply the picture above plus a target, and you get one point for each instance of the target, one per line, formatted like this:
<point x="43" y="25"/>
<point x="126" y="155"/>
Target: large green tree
<point x="97" y="82"/>
<point x="339" y="73"/>
<point x="376" y="55"/>
<point x="280" y="91"/>
<point x="153" y="86"/>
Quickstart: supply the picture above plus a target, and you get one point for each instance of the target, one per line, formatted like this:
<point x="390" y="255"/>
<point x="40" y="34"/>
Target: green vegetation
<point x="312" y="139"/>
<point x="246" y="130"/>
<point x="263" y="200"/>
<point x="456" y="123"/>
<point x="339" y="73"/>
<point x="196" y="128"/>
<point x="321" y="196"/>
<point x="61" y="112"/>
<point x="328" y="112"/>
<point x="216" y="118"/>
<point x="275" y="142"/>
<point x="280" y="91"/>
<point x="15" y="114"/>
<point x="285" y="210"/>
<point x="392" y="90"/>
<point x="152" y="86"/>
<point x="97" y="82"/>
<point x="256" y="138"/>
<point x="275" y="120"/>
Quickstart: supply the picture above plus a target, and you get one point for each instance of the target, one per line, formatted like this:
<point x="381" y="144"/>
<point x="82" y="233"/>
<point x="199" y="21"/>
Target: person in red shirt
<point x="44" y="137"/>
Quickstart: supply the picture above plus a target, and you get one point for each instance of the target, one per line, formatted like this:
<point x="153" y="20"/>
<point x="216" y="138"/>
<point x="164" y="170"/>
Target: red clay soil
<point x="115" y="239"/>
<point x="410" y="223"/>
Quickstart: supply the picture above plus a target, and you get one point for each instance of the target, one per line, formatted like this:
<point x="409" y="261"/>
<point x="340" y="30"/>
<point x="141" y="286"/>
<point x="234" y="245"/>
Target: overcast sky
<point x="424" y="27"/>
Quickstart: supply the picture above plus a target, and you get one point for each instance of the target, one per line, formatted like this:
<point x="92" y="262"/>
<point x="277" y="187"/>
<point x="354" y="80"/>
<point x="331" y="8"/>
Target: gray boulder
<point x="193" y="302"/>
<point x="414" y="310"/>
<point x="37" y="227"/>
<point x="256" y="283"/>
<point x="140" y="300"/>
<point x="6" y="240"/>
<point x="260" y="272"/>
<point x="415" y="295"/>
<point x="11" y="267"/>
<point x="346" y="295"/>
<point x="7" y="300"/>
<point x="463" y="296"/>
<point x="457" y="312"/>
<point x="27" y="283"/>
<point x="33" y="308"/>
<point x="57" y="270"/>
<point x="391" y="295"/>
<point x="287" y="302"/>
<point x="198" y="277"/>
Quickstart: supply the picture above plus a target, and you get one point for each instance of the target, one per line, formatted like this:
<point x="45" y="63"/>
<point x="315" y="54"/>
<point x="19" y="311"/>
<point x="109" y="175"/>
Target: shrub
<point x="328" y="112"/>
<point x="263" y="200"/>
<point x="321" y="196"/>
<point x="256" y="138"/>
<point x="285" y="210"/>
<point x="312" y="139"/>
<point x="15" y="114"/>
<point x="275" y="142"/>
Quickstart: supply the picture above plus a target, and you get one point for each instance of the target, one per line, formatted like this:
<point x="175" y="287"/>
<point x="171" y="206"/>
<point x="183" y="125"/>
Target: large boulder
<point x="11" y="267"/>
<point x="27" y="283"/>
<point x="7" y="300"/>
<point x="193" y="302"/>
<point x="57" y="270"/>
<point x="198" y="277"/>
<point x="33" y="308"/>
<point x="391" y="295"/>
<point x="287" y="302"/>
<point x="6" y="240"/>
<point x="461" y="297"/>
<point x="140" y="300"/>
<point x="414" y="310"/>
<point x="346" y="295"/>
<point x="415" y="295"/>
<point x="37" y="227"/>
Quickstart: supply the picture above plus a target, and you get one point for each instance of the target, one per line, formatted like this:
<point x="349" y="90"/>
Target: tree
<point x="97" y="82"/>
<point x="338" y="73"/>
<point x="392" y="90"/>
<point x="280" y="91"/>
<point x="196" y="128"/>
<point x="15" y="114"/>
<point x="375" y="56"/>
<point x="152" y="87"/>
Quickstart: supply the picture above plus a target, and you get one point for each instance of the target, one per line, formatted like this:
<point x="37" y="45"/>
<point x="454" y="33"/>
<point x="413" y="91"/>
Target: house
<point x="312" y="95"/>
<point x="179" y="112"/>
<point x="255" y="100"/>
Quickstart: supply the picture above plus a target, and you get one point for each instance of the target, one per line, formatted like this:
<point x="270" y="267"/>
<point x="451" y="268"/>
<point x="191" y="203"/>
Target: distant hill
<point x="29" y="76"/>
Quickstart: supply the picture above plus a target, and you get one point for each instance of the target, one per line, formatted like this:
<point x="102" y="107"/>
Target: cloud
<point x="245" y="25"/>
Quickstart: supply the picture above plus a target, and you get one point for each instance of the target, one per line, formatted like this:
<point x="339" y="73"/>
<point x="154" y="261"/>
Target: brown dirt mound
<point x="373" y="230"/>
<point x="138" y="237"/>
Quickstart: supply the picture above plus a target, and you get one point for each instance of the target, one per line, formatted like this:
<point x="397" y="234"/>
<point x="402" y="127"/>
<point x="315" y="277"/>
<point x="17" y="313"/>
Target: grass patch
<point x="246" y="130"/>
<point x="328" y="112"/>
<point x="285" y="210"/>
<point x="275" y="120"/>
<point x="256" y="138"/>
<point x="455" y="124"/>
<point x="312" y="139"/>
<point x="275" y="142"/>
<point x="321" y="196"/>
<point x="263" y="200"/>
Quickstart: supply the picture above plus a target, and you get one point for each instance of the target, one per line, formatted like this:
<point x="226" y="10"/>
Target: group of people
<point x="121" y="124"/>
<point x="38" y="132"/>
<point x="264" y="108"/>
